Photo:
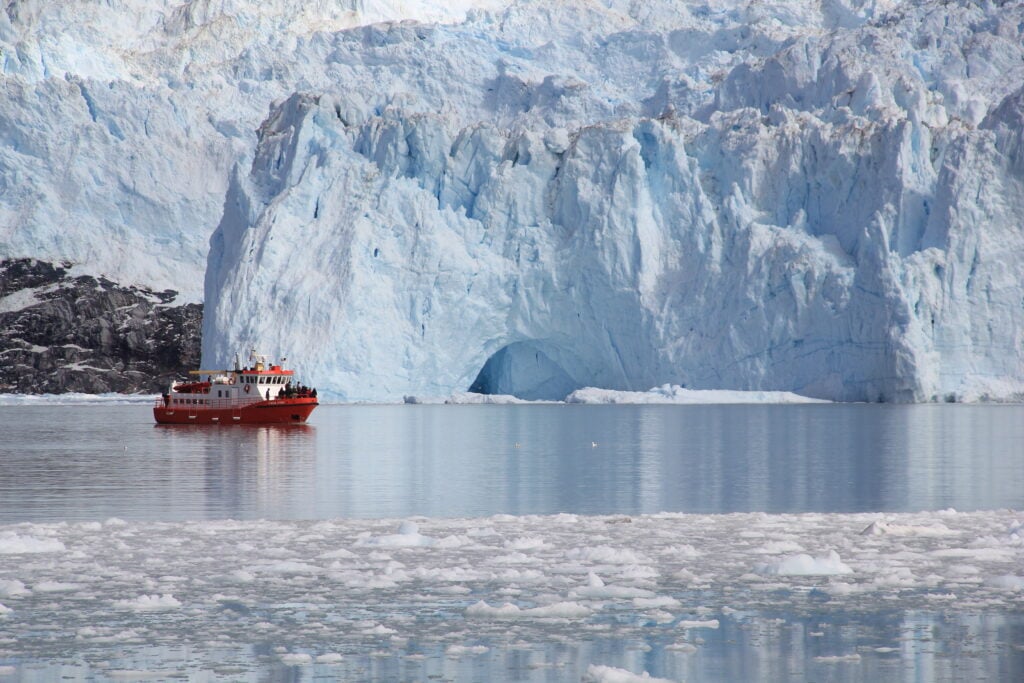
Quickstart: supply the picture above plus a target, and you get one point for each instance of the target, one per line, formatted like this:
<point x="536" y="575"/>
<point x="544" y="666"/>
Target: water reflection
<point x="94" y="462"/>
<point x="897" y="646"/>
<point x="474" y="460"/>
<point x="261" y="468"/>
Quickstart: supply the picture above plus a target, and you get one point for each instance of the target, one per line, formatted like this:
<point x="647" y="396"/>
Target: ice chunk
<point x="12" y="543"/>
<point x="609" y="674"/>
<point x="603" y="554"/>
<point x="560" y="610"/>
<point x="408" y="536"/>
<point x="805" y="565"/>
<point x="698" y="623"/>
<point x="146" y="603"/>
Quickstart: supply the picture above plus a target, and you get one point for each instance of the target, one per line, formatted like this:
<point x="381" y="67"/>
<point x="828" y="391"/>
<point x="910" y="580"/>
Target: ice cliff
<point x="529" y="197"/>
<point x="823" y="198"/>
<point x="120" y="120"/>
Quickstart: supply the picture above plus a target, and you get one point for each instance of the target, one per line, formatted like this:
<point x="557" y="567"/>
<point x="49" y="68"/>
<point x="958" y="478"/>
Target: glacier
<point x="517" y="197"/>
<point x="823" y="198"/>
<point x="121" y="120"/>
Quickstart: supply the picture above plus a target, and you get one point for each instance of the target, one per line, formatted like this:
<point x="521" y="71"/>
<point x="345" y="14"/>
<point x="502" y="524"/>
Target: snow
<point x="16" y="301"/>
<point x="75" y="398"/>
<point x="572" y="576"/>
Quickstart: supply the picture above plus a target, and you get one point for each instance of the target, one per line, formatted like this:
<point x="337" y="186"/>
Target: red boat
<point x="260" y="394"/>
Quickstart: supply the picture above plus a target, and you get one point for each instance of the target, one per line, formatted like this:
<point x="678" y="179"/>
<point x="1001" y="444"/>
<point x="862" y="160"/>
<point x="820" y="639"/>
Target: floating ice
<point x="146" y="603"/>
<point x="805" y="565"/>
<point x="408" y="536"/>
<point x="12" y="543"/>
<point x="881" y="527"/>
<point x="498" y="582"/>
<point x="610" y="674"/>
<point x="560" y="610"/>
<point x="698" y="623"/>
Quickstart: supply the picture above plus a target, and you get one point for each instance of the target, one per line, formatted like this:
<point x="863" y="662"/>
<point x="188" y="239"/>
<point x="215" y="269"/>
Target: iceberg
<point x="820" y="199"/>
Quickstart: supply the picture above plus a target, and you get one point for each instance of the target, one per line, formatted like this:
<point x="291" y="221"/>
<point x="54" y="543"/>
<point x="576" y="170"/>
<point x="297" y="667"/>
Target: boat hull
<point x="276" y="411"/>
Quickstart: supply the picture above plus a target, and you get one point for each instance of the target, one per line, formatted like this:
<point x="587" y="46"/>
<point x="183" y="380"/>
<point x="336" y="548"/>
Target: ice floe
<point x="335" y="588"/>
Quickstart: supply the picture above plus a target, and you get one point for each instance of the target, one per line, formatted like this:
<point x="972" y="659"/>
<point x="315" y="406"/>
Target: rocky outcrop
<point x="64" y="332"/>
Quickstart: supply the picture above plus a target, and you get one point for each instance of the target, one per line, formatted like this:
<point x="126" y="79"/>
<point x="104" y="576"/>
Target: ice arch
<point x="529" y="370"/>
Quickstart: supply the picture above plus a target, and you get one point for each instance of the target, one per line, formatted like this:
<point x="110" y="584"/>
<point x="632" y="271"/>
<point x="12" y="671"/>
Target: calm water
<point x="91" y="463"/>
<point x="95" y="462"/>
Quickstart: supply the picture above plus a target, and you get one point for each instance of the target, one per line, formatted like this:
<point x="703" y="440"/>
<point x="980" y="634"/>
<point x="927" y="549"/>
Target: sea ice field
<point x="333" y="597"/>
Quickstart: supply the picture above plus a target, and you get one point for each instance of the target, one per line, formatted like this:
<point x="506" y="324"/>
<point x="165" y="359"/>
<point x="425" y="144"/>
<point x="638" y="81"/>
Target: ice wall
<point x="820" y="198"/>
<point x="120" y="120"/>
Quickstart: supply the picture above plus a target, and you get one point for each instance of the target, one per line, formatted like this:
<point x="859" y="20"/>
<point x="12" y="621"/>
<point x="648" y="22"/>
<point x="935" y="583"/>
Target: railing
<point x="207" y="403"/>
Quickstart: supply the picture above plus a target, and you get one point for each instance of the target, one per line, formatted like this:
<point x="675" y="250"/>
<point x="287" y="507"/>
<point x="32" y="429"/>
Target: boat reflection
<point x="245" y="471"/>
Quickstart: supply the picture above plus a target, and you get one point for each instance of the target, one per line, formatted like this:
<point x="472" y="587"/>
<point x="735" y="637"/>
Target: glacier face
<point x="815" y="197"/>
<point x="120" y="120"/>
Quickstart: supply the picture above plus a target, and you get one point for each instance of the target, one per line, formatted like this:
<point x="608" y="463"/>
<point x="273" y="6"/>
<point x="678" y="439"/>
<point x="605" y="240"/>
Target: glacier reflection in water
<point x="93" y="462"/>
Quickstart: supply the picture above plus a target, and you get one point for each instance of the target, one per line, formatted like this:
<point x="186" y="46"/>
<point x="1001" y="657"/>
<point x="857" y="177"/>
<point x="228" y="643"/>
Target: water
<point x="118" y="559"/>
<point x="78" y="463"/>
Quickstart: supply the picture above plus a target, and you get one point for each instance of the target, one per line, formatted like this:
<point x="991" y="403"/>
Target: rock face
<point x="60" y="332"/>
<point x="825" y="198"/>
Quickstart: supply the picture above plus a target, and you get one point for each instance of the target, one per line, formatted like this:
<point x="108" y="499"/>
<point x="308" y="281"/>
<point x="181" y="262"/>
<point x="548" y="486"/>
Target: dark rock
<point x="60" y="333"/>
